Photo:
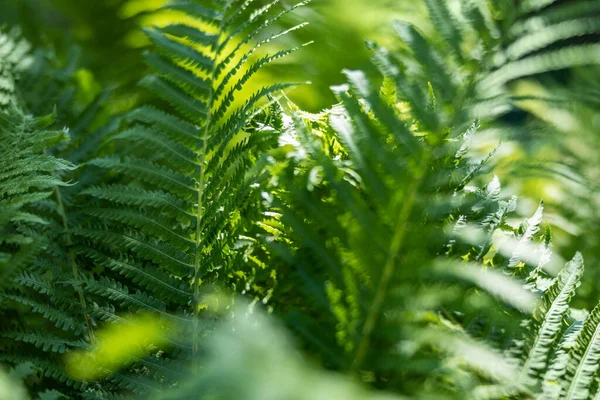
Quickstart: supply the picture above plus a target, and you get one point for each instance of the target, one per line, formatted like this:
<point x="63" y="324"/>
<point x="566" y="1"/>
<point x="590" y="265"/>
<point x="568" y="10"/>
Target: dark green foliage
<point x="44" y="312"/>
<point x="29" y="176"/>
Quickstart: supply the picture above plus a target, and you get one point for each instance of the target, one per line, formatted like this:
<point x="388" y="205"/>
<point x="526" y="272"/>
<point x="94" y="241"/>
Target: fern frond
<point x="177" y="156"/>
<point x="14" y="59"/>
<point x="542" y="38"/>
<point x="44" y="341"/>
<point x="28" y="176"/>
<point x="141" y="386"/>
<point x="445" y="22"/>
<point x="159" y="228"/>
<point x="168" y="256"/>
<point x="49" y="369"/>
<point x="187" y="105"/>
<point x="546" y="62"/>
<point x="131" y="196"/>
<point x="551" y="387"/>
<point x="584" y="360"/>
<point x="203" y="13"/>
<point x="119" y="293"/>
<point x="339" y="230"/>
<point x="150" y="172"/>
<point x="175" y="128"/>
<point x="430" y="60"/>
<point x="544" y="329"/>
<point x="151" y="278"/>
<point x="193" y="161"/>
<point x="60" y="319"/>
<point x="555" y="15"/>
<point x="530" y="227"/>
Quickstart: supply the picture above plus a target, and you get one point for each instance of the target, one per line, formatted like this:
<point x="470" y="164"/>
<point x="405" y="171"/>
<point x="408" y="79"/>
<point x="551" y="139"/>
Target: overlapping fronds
<point x="27" y="176"/>
<point x="353" y="224"/>
<point x="45" y="313"/>
<point x="29" y="180"/>
<point x="183" y="184"/>
<point x="387" y="247"/>
<point x="349" y="218"/>
<point x="558" y="353"/>
<point x="544" y="329"/>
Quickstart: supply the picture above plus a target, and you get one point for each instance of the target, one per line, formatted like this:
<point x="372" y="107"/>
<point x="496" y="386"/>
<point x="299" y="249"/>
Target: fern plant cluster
<point x="371" y="233"/>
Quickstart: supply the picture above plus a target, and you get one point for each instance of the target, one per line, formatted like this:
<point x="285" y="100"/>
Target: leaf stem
<point x="200" y="191"/>
<point x="74" y="266"/>
<point x="390" y="265"/>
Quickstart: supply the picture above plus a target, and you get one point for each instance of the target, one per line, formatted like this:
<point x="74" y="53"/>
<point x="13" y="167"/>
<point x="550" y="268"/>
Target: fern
<point x="172" y="233"/>
<point x="353" y="227"/>
<point x="14" y="53"/>
<point x="38" y="179"/>
<point x="343" y="231"/>
<point x="27" y="177"/>
<point x="370" y="228"/>
<point x="545" y="331"/>
<point x="557" y="354"/>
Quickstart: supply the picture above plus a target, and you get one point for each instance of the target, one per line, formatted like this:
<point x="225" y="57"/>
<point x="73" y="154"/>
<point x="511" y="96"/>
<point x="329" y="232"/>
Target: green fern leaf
<point x="584" y="360"/>
<point x="546" y="328"/>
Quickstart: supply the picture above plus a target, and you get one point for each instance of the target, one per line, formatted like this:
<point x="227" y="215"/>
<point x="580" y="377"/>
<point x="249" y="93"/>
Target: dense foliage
<point x="199" y="235"/>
